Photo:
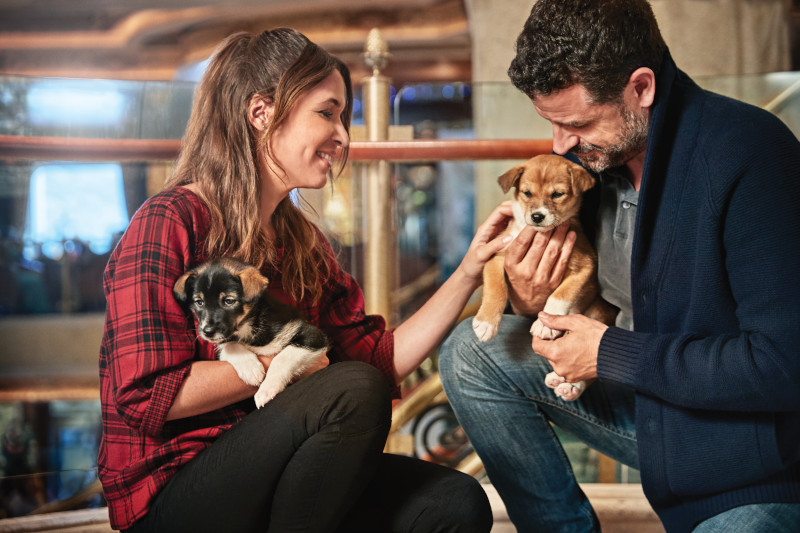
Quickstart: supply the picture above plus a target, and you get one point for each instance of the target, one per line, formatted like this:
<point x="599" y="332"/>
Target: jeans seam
<point x="558" y="404"/>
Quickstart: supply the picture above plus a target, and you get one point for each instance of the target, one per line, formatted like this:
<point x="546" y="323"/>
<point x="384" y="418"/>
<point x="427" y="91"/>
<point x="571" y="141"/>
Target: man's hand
<point x="535" y="264"/>
<point x="574" y="355"/>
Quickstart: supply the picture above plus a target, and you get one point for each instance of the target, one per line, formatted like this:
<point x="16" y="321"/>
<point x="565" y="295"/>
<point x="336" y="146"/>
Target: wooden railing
<point x="85" y="149"/>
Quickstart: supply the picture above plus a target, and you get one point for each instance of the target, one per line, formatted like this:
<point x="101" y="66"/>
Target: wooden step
<point x="621" y="508"/>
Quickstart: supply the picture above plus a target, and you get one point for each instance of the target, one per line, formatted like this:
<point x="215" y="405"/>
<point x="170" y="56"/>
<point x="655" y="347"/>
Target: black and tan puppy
<point x="234" y="311"/>
<point x="548" y="192"/>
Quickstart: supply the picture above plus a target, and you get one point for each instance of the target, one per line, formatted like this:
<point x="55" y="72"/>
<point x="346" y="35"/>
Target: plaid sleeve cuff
<point x="165" y="388"/>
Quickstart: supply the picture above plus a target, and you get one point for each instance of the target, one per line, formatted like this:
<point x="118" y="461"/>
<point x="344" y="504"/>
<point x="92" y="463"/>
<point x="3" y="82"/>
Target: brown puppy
<point x="548" y="192"/>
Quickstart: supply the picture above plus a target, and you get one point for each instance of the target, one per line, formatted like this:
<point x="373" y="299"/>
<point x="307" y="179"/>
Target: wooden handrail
<point x="86" y="149"/>
<point x="449" y="150"/>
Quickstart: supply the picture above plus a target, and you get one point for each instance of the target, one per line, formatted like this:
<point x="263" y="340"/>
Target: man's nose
<point x="563" y="140"/>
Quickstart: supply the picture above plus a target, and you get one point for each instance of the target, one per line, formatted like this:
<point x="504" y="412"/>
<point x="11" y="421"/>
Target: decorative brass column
<point x="379" y="234"/>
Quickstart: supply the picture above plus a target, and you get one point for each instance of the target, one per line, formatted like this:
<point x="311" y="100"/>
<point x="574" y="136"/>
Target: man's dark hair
<point x="597" y="43"/>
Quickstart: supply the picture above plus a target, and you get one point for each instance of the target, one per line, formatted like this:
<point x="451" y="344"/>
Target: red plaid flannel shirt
<point x="149" y="344"/>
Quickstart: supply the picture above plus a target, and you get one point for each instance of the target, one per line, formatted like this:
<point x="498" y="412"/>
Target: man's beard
<point x="633" y="140"/>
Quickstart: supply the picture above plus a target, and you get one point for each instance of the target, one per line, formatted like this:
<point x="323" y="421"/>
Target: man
<point x="697" y="226"/>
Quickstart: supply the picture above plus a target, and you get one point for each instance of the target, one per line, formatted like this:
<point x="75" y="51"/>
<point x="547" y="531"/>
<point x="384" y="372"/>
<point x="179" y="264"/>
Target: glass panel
<point x="110" y="109"/>
<point x="58" y="224"/>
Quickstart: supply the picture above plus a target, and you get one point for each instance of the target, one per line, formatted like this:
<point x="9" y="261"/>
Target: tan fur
<point x="548" y="192"/>
<point x="253" y="282"/>
<point x="180" y="284"/>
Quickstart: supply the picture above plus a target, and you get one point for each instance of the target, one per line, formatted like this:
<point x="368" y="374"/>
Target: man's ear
<point x="259" y="112"/>
<point x="641" y="87"/>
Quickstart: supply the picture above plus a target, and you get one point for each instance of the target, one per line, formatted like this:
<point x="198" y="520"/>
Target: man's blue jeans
<point x="498" y="393"/>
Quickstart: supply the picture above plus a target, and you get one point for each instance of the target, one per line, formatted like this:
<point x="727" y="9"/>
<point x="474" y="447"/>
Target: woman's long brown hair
<point x="220" y="151"/>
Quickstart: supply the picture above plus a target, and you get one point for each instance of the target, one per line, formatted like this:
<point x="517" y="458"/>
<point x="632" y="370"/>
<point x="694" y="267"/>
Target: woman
<point x="183" y="449"/>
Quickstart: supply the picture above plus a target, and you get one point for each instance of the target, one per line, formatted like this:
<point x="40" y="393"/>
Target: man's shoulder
<point x="724" y="133"/>
<point x="723" y="118"/>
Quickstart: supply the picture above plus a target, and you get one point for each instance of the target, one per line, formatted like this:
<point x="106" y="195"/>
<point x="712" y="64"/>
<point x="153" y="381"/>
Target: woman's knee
<point x="357" y="396"/>
<point x="461" y="505"/>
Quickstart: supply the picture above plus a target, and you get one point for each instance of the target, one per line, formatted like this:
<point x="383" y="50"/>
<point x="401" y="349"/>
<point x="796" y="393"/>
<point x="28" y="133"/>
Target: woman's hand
<point x="535" y="264"/>
<point x="486" y="243"/>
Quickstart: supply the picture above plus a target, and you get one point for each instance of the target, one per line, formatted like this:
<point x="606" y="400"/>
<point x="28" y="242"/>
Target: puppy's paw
<point x="264" y="395"/>
<point x="553" y="380"/>
<point x="543" y="332"/>
<point x="250" y="370"/>
<point x="484" y="330"/>
<point x="247" y="366"/>
<point x="569" y="392"/>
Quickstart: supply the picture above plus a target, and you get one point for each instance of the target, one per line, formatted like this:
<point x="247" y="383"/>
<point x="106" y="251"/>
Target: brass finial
<point x="376" y="51"/>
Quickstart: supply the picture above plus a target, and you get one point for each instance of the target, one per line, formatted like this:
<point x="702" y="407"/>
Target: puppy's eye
<point x="229" y="301"/>
<point x="556" y="195"/>
<point x="198" y="302"/>
<point x="527" y="194"/>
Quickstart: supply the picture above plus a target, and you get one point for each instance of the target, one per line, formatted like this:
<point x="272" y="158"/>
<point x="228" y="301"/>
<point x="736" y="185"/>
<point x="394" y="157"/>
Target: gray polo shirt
<point x="616" y="219"/>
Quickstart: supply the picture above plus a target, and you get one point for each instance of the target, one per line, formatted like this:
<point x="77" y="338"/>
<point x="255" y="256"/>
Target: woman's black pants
<point x="312" y="460"/>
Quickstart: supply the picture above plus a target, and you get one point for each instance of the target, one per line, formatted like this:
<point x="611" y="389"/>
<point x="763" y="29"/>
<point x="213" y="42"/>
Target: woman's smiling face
<point x="312" y="137"/>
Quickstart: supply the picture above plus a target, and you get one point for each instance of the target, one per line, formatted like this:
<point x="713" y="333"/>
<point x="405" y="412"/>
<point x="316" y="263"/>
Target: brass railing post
<point x="379" y="235"/>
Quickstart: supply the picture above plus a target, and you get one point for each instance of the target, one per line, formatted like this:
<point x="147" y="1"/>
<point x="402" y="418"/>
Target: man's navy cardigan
<point x="715" y="283"/>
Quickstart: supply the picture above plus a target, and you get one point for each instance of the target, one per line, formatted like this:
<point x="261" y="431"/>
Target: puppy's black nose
<point x="537" y="218"/>
<point x="209" y="330"/>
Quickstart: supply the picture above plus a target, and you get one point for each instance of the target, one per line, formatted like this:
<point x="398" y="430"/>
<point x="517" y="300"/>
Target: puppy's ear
<point x="253" y="282"/>
<point x="511" y="178"/>
<point x="183" y="286"/>
<point x="582" y="181"/>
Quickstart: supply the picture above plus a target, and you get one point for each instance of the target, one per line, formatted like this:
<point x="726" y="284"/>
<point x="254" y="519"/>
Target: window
<point x="72" y="205"/>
